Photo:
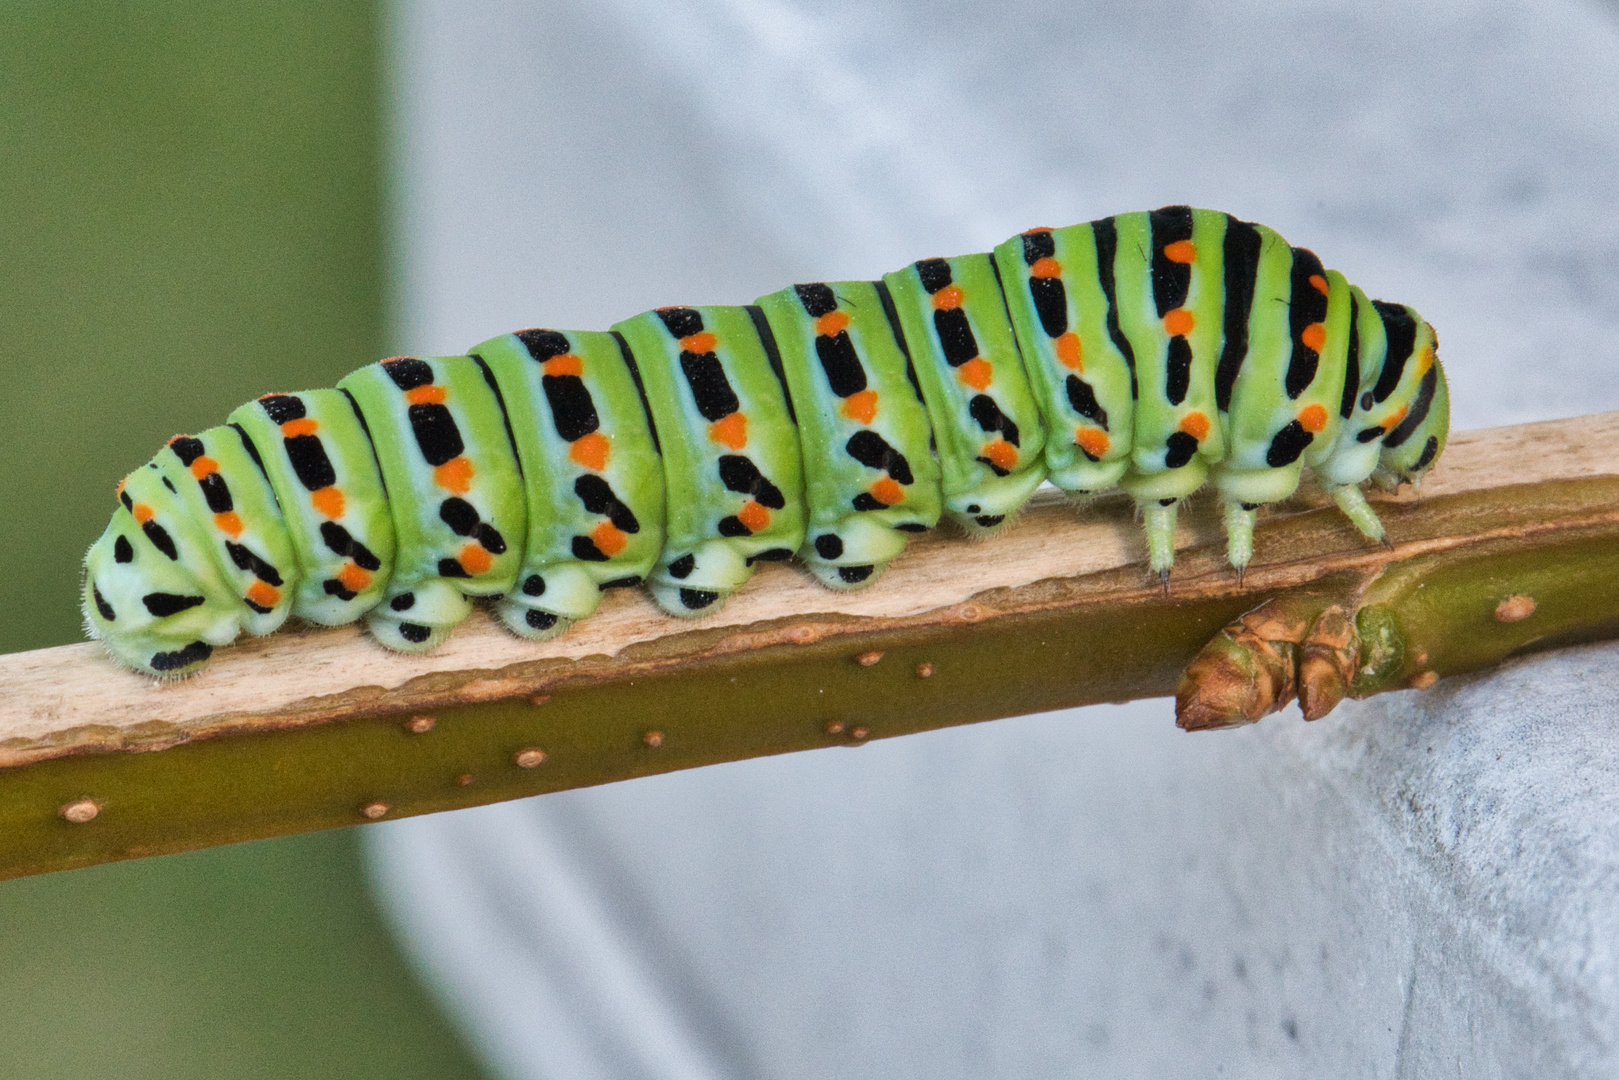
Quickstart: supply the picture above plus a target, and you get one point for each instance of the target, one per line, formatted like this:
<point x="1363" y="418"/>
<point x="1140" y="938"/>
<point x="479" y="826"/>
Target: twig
<point x="315" y="728"/>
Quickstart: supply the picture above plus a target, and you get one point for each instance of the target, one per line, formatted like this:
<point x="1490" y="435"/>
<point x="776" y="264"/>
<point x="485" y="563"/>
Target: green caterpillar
<point x="1151" y="352"/>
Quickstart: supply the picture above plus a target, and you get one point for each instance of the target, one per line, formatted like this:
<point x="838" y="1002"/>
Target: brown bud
<point x="1246" y="672"/>
<point x="1327" y="662"/>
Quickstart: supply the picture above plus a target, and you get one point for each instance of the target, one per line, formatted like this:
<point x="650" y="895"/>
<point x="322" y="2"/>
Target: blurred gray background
<point x="1425" y="885"/>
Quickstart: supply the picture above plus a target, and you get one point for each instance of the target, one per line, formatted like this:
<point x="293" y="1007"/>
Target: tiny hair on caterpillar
<point x="1151" y="353"/>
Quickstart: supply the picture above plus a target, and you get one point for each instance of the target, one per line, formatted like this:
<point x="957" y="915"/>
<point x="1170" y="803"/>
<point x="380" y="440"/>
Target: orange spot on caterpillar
<point x="699" y="343"/>
<point x="1002" y="453"/>
<point x="591" y="451"/>
<point x="230" y="524"/>
<point x="204" y="466"/>
<point x="1181" y="251"/>
<point x="143" y="513"/>
<point x="832" y="323"/>
<point x="888" y="491"/>
<point x="947" y="298"/>
<point x="861" y="407"/>
<point x="730" y="431"/>
<point x="1318" y="283"/>
<point x="328" y="500"/>
<point x="1395" y="418"/>
<point x="475" y="559"/>
<point x="454" y="475"/>
<point x="609" y="538"/>
<point x="976" y="373"/>
<point x="1046" y="267"/>
<point x="1178" y="323"/>
<point x="354" y="578"/>
<point x="1093" y="441"/>
<point x="1313" y="418"/>
<point x="566" y="364"/>
<point x="426" y="395"/>
<point x="264" y="594"/>
<point x="1314" y="336"/>
<point x="1070" y="353"/>
<point x="1425" y="360"/>
<point x="1196" y="425"/>
<point x="754" y="516"/>
<point x="301" y="426"/>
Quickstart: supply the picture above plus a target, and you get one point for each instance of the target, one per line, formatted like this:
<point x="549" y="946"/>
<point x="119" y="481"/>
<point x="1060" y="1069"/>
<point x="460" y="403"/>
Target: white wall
<point x="1078" y="894"/>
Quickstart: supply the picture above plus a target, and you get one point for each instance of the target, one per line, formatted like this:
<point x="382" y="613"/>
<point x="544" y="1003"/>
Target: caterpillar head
<point x="142" y="602"/>
<point x="1412" y="445"/>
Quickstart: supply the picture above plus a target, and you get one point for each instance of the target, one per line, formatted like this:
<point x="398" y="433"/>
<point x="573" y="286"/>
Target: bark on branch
<point x="1513" y="546"/>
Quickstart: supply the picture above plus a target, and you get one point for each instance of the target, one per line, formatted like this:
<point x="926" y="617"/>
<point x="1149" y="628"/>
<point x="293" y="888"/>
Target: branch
<point x="1514" y="546"/>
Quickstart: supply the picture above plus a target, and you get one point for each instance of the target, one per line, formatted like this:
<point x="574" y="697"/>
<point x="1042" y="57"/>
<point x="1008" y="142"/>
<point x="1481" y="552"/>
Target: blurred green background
<point x="191" y="203"/>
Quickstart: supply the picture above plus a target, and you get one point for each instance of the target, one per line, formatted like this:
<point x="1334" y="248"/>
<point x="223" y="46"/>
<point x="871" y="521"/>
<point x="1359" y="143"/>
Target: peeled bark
<point x="1513" y="547"/>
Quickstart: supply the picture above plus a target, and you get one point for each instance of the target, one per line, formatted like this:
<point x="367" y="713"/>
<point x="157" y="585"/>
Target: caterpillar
<point x="1150" y="352"/>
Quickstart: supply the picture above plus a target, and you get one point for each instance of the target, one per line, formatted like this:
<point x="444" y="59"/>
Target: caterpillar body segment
<point x="228" y="501"/>
<point x="1288" y="387"/>
<point x="870" y="478"/>
<point x="986" y="425"/>
<point x="1153" y="352"/>
<point x="313" y="450"/>
<point x="438" y="429"/>
<point x="592" y="475"/>
<point x="730" y="447"/>
<point x="1060" y="292"/>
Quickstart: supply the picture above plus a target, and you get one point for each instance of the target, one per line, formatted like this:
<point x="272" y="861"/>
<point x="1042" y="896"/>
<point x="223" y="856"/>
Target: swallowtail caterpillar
<point x="1152" y="352"/>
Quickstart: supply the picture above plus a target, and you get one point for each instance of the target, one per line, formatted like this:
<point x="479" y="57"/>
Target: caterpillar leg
<point x="545" y="604"/>
<point x="1239" y="531"/>
<point x="549" y="599"/>
<point x="530" y="623"/>
<point x="1158" y="497"/>
<point x="1242" y="492"/>
<point x="418" y="618"/>
<point x="853" y="555"/>
<point x="1158" y="517"/>
<point x="1352" y="501"/>
<point x="698" y="582"/>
